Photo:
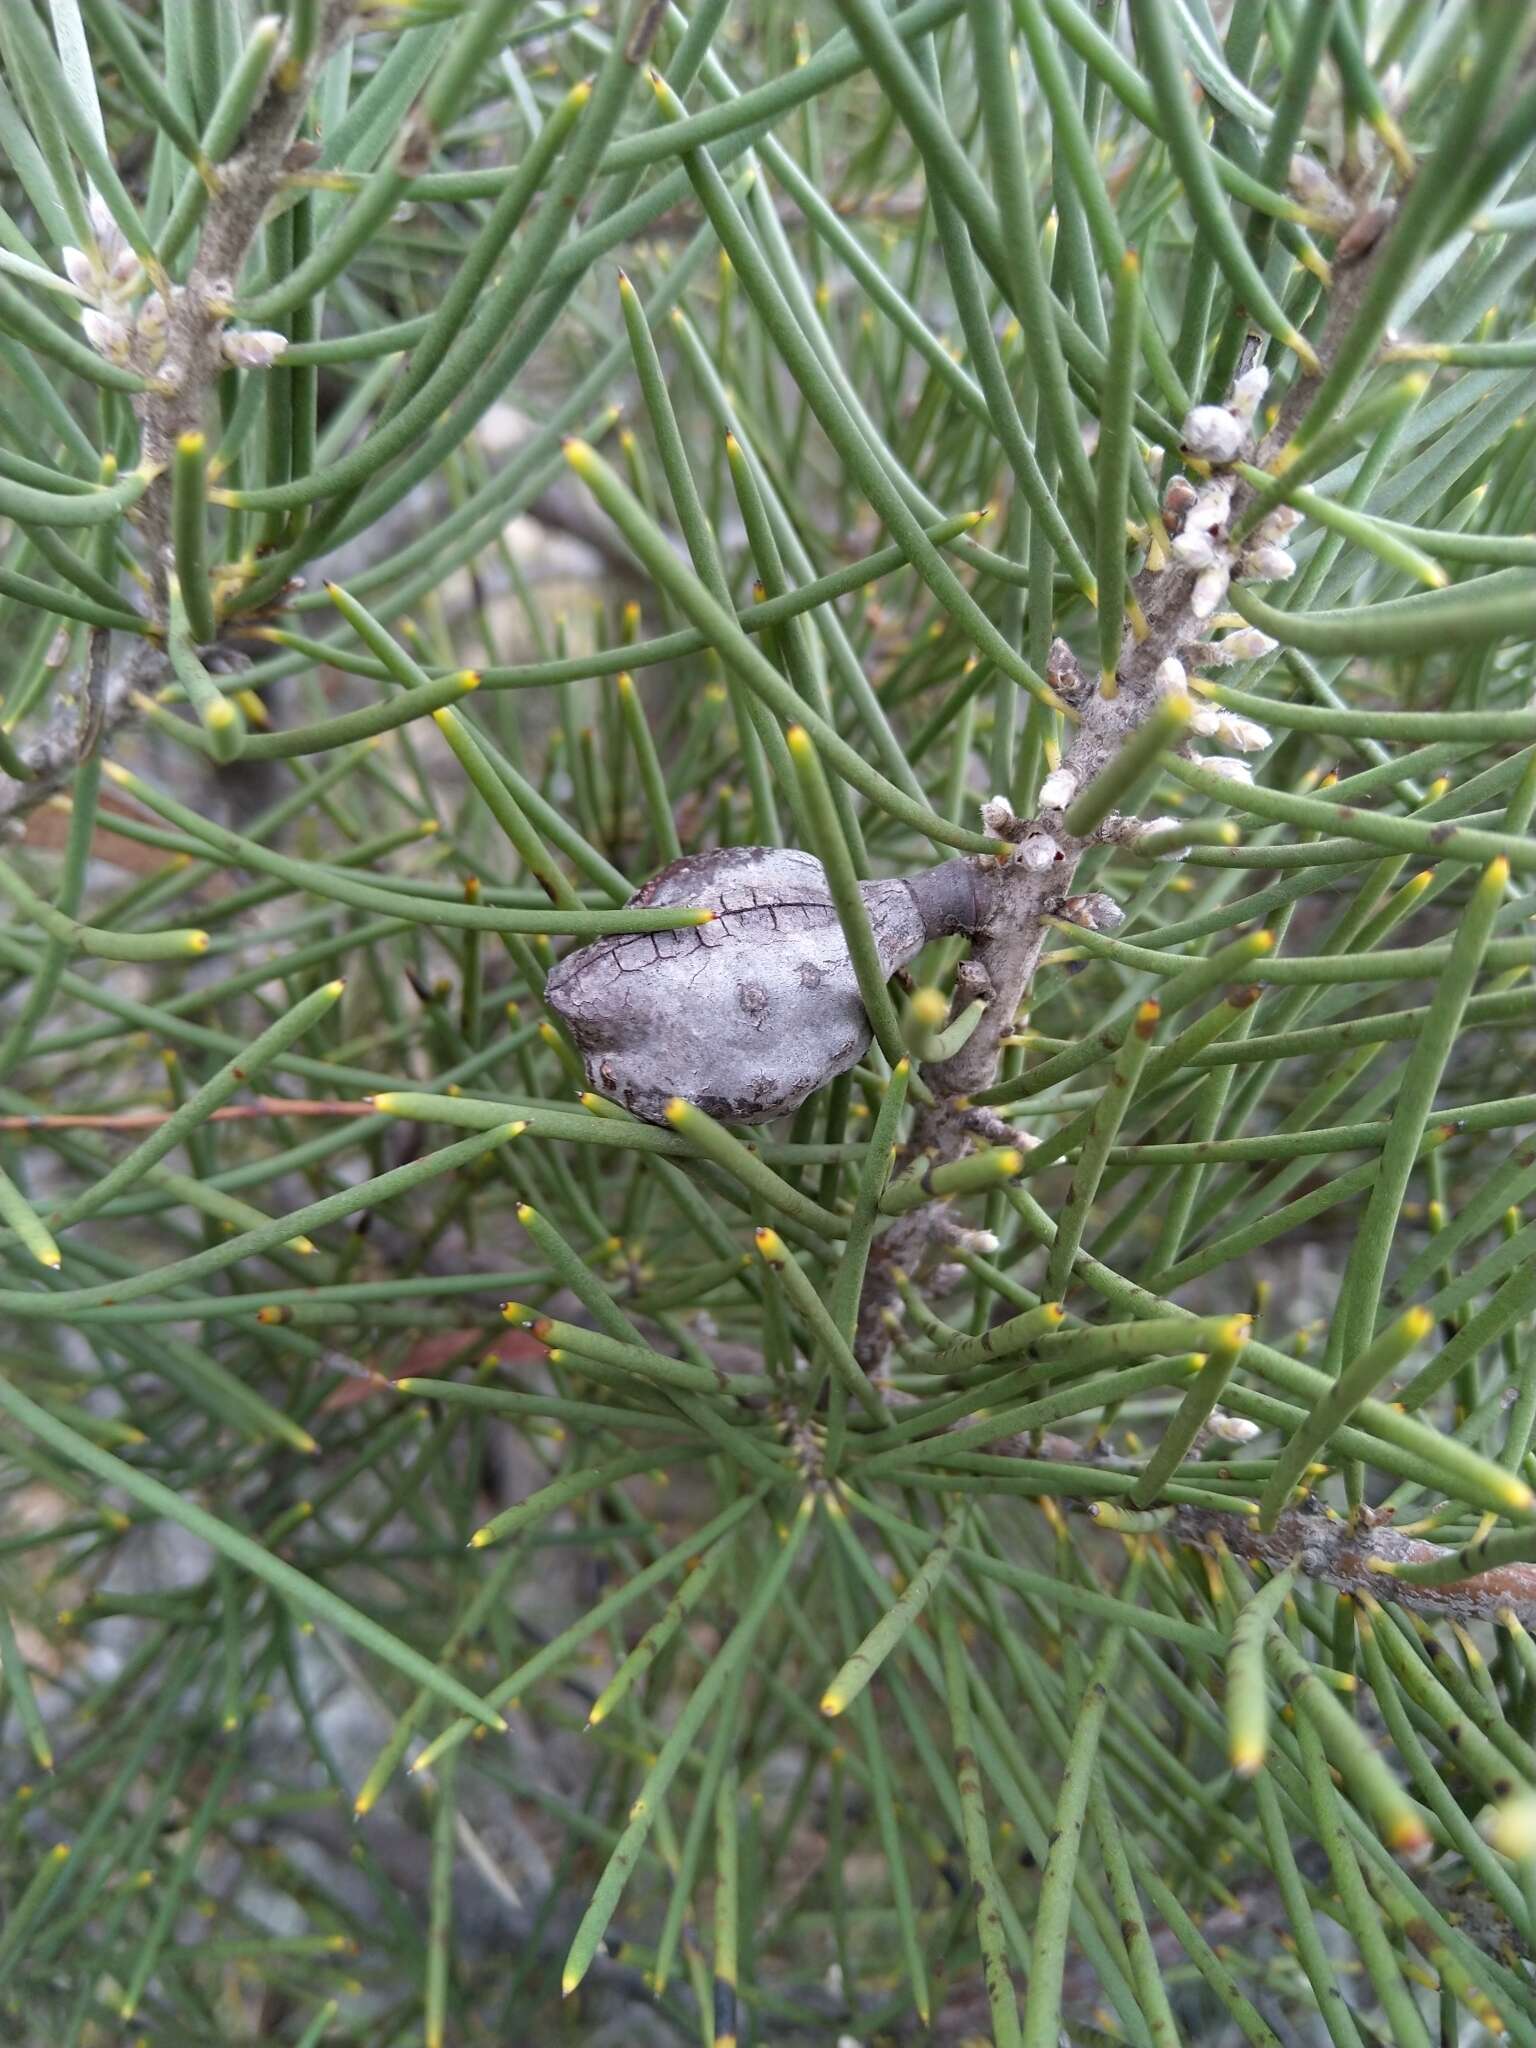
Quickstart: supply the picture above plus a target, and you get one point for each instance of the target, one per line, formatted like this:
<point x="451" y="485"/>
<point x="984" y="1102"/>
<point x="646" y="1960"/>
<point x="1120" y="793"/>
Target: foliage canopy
<point x="1037" y="1543"/>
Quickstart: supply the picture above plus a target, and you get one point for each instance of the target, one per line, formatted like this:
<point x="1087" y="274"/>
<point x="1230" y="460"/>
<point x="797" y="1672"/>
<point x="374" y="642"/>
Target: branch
<point x="79" y="722"/>
<point x="1171" y="601"/>
<point x="1356" y="1558"/>
<point x="185" y="372"/>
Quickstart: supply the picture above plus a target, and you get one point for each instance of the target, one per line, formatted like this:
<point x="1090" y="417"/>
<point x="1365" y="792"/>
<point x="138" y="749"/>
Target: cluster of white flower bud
<point x="1198" y="517"/>
<point x="107" y="275"/>
<point x="110" y="278"/>
<point x="1210" y="722"/>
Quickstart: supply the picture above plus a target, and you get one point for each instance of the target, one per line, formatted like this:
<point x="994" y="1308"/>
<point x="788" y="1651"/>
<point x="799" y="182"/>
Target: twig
<point x="1352" y="1557"/>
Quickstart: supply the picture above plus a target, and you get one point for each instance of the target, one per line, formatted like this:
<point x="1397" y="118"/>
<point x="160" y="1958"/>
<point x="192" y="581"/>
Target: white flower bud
<point x="80" y="270"/>
<point x="1248" y="392"/>
<point x="983" y="1241"/>
<point x="1058" y="789"/>
<point x="58" y="649"/>
<point x="1316" y="189"/>
<point x="124" y="270"/>
<point x="1177" y="499"/>
<point x="152" y="318"/>
<point x="999" y="818"/>
<point x="1229" y="771"/>
<point x="258" y="348"/>
<point x="1039" y="851"/>
<point x="1277" y="524"/>
<point x="1267" y="564"/>
<point x="1146" y="827"/>
<point x="1171" y="674"/>
<point x="109" y="236"/>
<point x="1246" y="644"/>
<point x="1246" y="734"/>
<point x="1195" y="550"/>
<point x="116" y="256"/>
<point x="1214" y="434"/>
<point x="1210" y="588"/>
<point x="1093" y="912"/>
<point x="1233" y="1429"/>
<point x="1211" y="508"/>
<point x="106" y="334"/>
<point x="1205" y="721"/>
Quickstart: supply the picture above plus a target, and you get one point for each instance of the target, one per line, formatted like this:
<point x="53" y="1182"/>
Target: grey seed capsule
<point x="747" y="1015"/>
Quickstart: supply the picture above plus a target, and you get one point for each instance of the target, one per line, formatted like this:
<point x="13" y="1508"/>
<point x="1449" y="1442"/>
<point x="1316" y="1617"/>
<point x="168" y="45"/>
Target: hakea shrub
<point x="765" y="1018"/>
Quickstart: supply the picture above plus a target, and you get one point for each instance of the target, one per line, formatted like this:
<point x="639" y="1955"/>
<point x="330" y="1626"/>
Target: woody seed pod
<point x="746" y="1015"/>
